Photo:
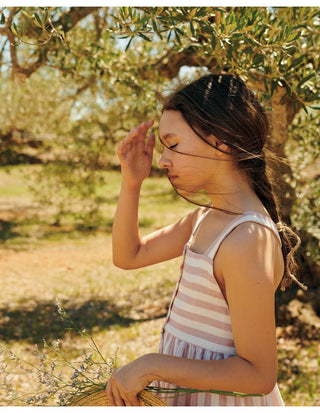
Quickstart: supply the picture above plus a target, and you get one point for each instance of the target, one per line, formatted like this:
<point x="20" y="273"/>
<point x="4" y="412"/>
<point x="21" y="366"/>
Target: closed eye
<point x="166" y="144"/>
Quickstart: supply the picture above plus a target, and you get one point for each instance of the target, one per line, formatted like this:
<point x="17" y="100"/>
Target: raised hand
<point x="135" y="154"/>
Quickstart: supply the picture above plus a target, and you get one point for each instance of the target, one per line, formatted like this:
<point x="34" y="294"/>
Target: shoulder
<point x="187" y="223"/>
<point x="250" y="235"/>
<point x="196" y="214"/>
<point x="249" y="252"/>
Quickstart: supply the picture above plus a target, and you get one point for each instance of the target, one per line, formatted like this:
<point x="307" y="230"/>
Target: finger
<point x="131" y="400"/>
<point x="139" y="142"/>
<point x="150" y="144"/>
<point x="120" y="150"/>
<point x="113" y="392"/>
<point x="145" y="125"/>
<point x="136" y="130"/>
<point x="136" y="138"/>
<point x="117" y="398"/>
<point x="128" y="403"/>
<point x="110" y="394"/>
<point x="142" y="130"/>
<point x="131" y="135"/>
<point x="136" y="402"/>
<point x="123" y="150"/>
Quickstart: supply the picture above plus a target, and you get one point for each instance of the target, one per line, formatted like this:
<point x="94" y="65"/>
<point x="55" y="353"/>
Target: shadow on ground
<point x="7" y="230"/>
<point x="20" y="233"/>
<point x="41" y="320"/>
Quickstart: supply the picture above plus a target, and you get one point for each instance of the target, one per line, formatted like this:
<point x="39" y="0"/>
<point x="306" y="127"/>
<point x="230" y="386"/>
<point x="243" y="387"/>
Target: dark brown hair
<point x="223" y="106"/>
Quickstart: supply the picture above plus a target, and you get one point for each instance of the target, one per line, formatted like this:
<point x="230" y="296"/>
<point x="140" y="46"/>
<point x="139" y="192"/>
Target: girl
<point x="220" y="329"/>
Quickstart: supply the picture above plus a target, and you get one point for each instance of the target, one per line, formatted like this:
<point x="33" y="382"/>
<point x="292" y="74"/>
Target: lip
<point x="172" y="178"/>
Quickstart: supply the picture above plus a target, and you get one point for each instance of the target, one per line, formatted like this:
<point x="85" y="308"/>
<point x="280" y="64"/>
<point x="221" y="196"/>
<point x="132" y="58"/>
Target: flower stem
<point x="182" y="391"/>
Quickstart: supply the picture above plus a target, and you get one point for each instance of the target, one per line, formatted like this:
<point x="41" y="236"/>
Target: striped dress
<point x="198" y="324"/>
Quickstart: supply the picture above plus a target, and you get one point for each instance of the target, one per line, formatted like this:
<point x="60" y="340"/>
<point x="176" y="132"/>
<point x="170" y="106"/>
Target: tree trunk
<point x="280" y="118"/>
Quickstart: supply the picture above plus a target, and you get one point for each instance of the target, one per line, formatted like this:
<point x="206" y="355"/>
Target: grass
<point x="26" y="224"/>
<point x="125" y="309"/>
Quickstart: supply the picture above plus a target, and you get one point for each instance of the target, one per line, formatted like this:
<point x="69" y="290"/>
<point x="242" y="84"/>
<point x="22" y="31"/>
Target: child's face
<point x="195" y="167"/>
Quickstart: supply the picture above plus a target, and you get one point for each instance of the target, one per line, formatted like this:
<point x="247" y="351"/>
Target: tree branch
<point x="70" y="19"/>
<point x="170" y="64"/>
<point x="99" y="23"/>
<point x="42" y="59"/>
<point x="2" y="50"/>
<point x="13" y="50"/>
<point x="67" y="22"/>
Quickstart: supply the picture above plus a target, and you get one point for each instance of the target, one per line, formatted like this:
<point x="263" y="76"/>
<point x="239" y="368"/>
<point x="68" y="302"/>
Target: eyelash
<point x="173" y="146"/>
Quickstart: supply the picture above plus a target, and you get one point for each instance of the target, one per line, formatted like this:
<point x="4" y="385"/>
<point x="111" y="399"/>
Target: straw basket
<point x="98" y="397"/>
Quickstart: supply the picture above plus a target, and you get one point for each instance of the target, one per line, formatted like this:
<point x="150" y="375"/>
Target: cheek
<point x="191" y="177"/>
<point x="185" y="168"/>
<point x="197" y="167"/>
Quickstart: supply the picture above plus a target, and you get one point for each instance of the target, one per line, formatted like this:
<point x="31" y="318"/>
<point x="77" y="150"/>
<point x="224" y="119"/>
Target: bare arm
<point x="249" y="280"/>
<point x="130" y="250"/>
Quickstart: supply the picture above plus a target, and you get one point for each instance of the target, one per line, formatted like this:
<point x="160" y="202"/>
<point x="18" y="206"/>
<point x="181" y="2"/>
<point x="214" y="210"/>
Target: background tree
<point x="109" y="87"/>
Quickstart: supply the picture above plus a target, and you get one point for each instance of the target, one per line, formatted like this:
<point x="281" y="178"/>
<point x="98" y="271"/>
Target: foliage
<point x="269" y="45"/>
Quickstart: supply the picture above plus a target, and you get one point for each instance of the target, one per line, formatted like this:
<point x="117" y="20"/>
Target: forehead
<point x="172" y="122"/>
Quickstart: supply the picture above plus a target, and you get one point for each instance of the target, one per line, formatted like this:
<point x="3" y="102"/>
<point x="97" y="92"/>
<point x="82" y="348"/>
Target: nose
<point x="165" y="161"/>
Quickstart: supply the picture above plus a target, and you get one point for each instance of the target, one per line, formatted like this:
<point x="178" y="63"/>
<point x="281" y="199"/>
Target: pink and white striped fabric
<point x="198" y="324"/>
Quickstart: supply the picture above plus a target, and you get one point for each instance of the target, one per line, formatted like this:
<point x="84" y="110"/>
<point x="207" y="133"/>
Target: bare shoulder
<point x="191" y="217"/>
<point x="251" y="251"/>
<point x="250" y="234"/>
<point x="196" y="214"/>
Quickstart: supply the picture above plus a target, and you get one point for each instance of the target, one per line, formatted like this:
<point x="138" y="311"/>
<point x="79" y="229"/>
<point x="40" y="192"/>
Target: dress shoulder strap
<point x="249" y="216"/>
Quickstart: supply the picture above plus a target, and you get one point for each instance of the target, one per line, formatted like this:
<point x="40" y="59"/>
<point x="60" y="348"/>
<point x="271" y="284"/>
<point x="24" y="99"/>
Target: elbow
<point x="116" y="261"/>
<point x="123" y="265"/>
<point x="266" y="383"/>
<point x="127" y="261"/>
<point x="266" y="387"/>
<point x="261" y="380"/>
<point x="120" y="264"/>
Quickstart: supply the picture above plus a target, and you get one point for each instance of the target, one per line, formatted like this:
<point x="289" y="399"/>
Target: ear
<point x="221" y="147"/>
